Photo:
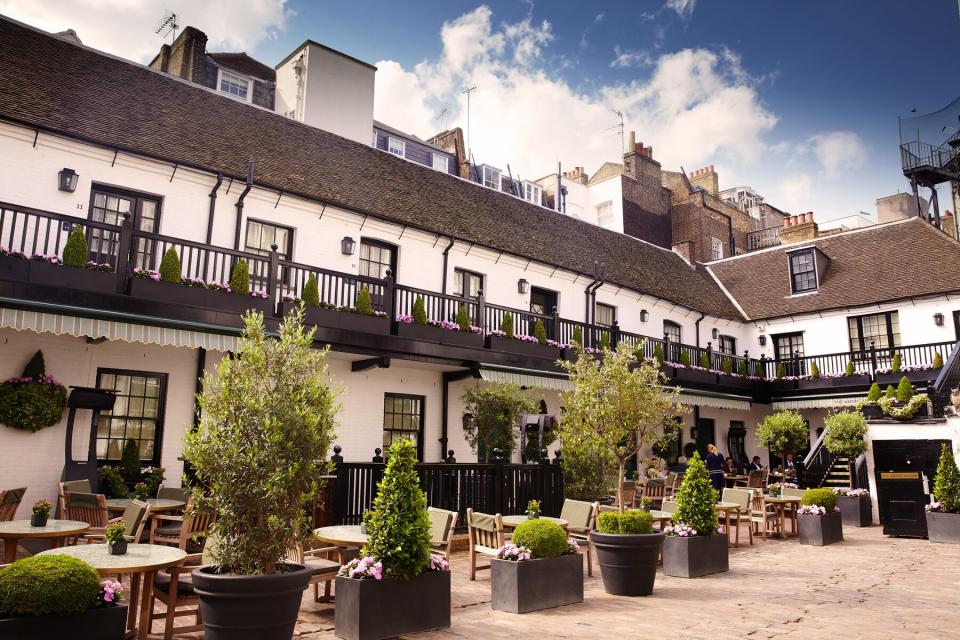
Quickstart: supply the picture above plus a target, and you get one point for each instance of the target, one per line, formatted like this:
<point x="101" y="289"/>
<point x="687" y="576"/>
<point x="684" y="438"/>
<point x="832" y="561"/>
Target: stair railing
<point x="817" y="464"/>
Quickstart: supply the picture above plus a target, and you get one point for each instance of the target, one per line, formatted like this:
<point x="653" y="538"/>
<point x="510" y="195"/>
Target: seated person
<point x="730" y="467"/>
<point x="680" y="466"/>
<point x="755" y="464"/>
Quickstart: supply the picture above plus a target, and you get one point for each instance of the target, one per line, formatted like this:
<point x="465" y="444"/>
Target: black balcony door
<point x="956" y="323"/>
<point x="543" y="302"/>
<point x="785" y="347"/>
<point x="109" y="204"/>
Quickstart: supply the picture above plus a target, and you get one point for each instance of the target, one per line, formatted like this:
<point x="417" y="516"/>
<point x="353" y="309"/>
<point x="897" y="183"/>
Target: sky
<point x="799" y="100"/>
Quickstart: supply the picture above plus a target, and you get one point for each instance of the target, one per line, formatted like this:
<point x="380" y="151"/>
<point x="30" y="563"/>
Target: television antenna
<point x="167" y="25"/>
<point x="619" y="128"/>
<point x="443" y="114"/>
<point x="468" y="91"/>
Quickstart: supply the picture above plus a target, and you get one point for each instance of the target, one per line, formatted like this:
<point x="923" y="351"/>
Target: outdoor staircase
<point x="839" y="473"/>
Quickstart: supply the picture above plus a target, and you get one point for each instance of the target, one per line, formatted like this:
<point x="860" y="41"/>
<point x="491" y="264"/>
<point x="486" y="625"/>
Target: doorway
<point x="542" y="302"/>
<point x="705" y="435"/>
<point x="956" y="323"/>
<point x="899" y="468"/>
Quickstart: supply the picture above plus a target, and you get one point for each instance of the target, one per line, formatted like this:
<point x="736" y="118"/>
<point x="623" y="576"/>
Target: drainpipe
<point x="210" y="212"/>
<point x="446" y="255"/>
<point x="590" y="293"/>
<point x="697" y="327"/>
<point x="731" y="242"/>
<point x="243" y="194"/>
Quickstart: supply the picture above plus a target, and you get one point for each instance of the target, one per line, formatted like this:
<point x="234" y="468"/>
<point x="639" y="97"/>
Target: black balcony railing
<point x="34" y="233"/>
<point x="763" y="238"/>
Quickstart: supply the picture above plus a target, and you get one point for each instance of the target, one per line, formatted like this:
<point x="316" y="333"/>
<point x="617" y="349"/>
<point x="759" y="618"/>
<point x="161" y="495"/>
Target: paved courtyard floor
<point x="869" y="586"/>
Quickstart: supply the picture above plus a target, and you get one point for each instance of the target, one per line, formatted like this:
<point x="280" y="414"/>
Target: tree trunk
<point x="622" y="466"/>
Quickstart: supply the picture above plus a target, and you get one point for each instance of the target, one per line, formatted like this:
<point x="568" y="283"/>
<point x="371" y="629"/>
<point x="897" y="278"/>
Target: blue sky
<point x="798" y="99"/>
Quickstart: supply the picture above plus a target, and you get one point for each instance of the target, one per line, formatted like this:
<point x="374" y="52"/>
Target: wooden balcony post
<point x="666" y="348"/>
<point x="553" y="329"/>
<point x="709" y="357"/>
<point x="873" y="360"/>
<point x="481" y="319"/>
<point x="273" y="274"/>
<point x="614" y="335"/>
<point x="124" y="247"/>
<point x="389" y="297"/>
<point x="763" y="365"/>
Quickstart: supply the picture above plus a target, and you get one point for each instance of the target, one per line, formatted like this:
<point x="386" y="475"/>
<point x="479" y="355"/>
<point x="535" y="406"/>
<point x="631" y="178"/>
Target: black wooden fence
<point x="488" y="488"/>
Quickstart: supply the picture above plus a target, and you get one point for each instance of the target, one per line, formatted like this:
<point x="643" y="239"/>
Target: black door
<point x="900" y="467"/>
<point x="705" y="435"/>
<point x="956" y="323"/>
<point x="542" y="302"/>
<point x="736" y="437"/>
<point x="109" y="204"/>
<point x="787" y="347"/>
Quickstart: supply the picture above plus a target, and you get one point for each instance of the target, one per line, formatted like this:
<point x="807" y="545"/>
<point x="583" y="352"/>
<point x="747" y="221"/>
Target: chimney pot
<point x="633" y="140"/>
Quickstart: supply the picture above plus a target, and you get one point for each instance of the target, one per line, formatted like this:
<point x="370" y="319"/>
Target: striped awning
<point x="816" y="402"/>
<point x="717" y="401"/>
<point x="526" y="378"/>
<point x="58" y="324"/>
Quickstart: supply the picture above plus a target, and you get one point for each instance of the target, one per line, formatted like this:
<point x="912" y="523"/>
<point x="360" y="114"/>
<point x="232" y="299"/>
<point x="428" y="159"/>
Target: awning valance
<point x="816" y="402"/>
<point x="526" y="378"/>
<point x="716" y="401"/>
<point x="42" y="322"/>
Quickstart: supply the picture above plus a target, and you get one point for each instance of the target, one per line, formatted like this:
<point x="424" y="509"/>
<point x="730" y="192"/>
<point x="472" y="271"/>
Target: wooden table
<point x="157" y="505"/>
<point x="512" y="522"/>
<point x="725" y="508"/>
<point x="736" y="479"/>
<point x="780" y="503"/>
<point x="341" y="535"/>
<point x="141" y="561"/>
<point x="13" y="531"/>
<point x="661" y="517"/>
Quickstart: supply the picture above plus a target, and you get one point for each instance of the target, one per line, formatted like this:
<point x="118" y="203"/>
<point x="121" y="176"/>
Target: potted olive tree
<point x="845" y="436"/>
<point x="696" y="544"/>
<point x="267" y="419"/>
<point x="819" y="518"/>
<point x="618" y="407"/>
<point x="495" y="411"/>
<point x="782" y="433"/>
<point x="396" y="586"/>
<point x="943" y="514"/>
<point x="538" y="569"/>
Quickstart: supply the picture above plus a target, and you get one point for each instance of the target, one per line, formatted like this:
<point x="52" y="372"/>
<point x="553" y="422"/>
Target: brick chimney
<point x="706" y="178"/>
<point x="799" y="228"/>
<point x="185" y="57"/>
<point x="638" y="161"/>
<point x="578" y="175"/>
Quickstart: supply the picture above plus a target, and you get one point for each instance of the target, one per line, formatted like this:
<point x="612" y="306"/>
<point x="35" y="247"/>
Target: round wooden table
<point x="141" y="561"/>
<point x="512" y="522"/>
<point x="780" y="503"/>
<point x="156" y="504"/>
<point x="13" y="531"/>
<point x="662" y="517"/>
<point x="342" y="535"/>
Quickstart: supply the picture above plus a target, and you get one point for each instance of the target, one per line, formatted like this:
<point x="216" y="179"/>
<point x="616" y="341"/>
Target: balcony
<point x="763" y="238"/>
<point x="32" y="244"/>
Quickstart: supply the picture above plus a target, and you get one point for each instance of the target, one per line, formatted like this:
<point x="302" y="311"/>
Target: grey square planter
<point x="531" y="585"/>
<point x="821" y="530"/>
<point x="695" y="556"/>
<point x="108" y="623"/>
<point x="943" y="527"/>
<point x="376" y="609"/>
<point x="856" y="511"/>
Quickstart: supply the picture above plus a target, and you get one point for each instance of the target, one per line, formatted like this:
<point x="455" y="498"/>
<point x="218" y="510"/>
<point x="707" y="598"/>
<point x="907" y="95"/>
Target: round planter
<point x="250" y="607"/>
<point x="38" y="521"/>
<point x="628" y="562"/>
<point x="118" y="548"/>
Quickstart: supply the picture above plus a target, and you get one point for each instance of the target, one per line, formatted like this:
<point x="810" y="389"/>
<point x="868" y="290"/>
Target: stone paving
<point x="869" y="586"/>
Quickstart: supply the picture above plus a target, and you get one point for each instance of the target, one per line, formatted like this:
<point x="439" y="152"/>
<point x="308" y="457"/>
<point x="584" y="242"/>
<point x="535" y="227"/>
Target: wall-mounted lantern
<point x="68" y="180"/>
<point x="715" y="333"/>
<point x="762" y="340"/>
<point x="347" y="245"/>
<point x="644" y="315"/>
<point x="522" y="286"/>
<point x="938" y="319"/>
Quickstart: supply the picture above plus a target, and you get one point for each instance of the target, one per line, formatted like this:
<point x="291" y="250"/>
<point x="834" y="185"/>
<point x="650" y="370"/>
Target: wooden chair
<point x="442" y="523"/>
<point x="174" y="588"/>
<point x="324" y="568"/>
<point x="756" y="479"/>
<point x="134" y="520"/>
<point x="83" y="486"/>
<point x="763" y="514"/>
<point x="628" y="489"/>
<point x="174" y="493"/>
<point x="9" y="501"/>
<point x="742" y="497"/>
<point x="180" y="531"/>
<point x="790" y="492"/>
<point x="671" y="484"/>
<point x="86" y="507"/>
<point x="655" y="490"/>
<point x="485" y="534"/>
<point x="581" y="517"/>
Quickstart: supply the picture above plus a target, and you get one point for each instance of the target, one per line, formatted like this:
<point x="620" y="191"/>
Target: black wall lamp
<point x="68" y="180"/>
<point x="347" y="245"/>
<point x="938" y="319"/>
<point x="715" y="333"/>
<point x="762" y="340"/>
<point x="644" y="315"/>
<point x="522" y="286"/>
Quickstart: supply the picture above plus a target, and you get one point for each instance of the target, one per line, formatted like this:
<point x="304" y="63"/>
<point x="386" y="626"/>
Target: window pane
<point x="135" y="415"/>
<point x="401" y="418"/>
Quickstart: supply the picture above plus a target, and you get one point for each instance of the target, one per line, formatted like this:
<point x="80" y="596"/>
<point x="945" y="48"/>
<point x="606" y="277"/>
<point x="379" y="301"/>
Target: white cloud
<point x="126" y="27"/>
<point x="683" y="8"/>
<point x="794" y="193"/>
<point x="696" y="106"/>
<point x="839" y="151"/>
<point x="628" y="58"/>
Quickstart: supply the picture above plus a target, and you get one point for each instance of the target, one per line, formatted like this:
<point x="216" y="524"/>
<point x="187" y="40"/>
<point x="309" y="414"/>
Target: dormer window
<point x="235" y="85"/>
<point x="441" y="162"/>
<point x="491" y="177"/>
<point x="396" y="146"/>
<point x="803" y="271"/>
<point x="532" y="192"/>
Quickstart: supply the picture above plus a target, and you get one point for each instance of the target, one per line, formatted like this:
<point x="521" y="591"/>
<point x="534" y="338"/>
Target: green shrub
<point x="398" y="527"/>
<point x="540" y="332"/>
<point x="112" y="484"/>
<point x="419" y="311"/>
<point x="36" y="367"/>
<point x="846" y="433"/>
<point x="44" y="585"/>
<point x="814" y="370"/>
<point x="240" y="278"/>
<point x="891" y="392"/>
<point x="311" y="292"/>
<point x="850" y="370"/>
<point x="31" y="406"/>
<point x="783" y="432"/>
<point x="937" y="360"/>
<point x="897" y="363"/>
<point x="577" y="338"/>
<point x="170" y="266"/>
<point x="506" y="325"/>
<point x="726" y="365"/>
<point x="825" y="498"/>
<point x="364" y="303"/>
<point x="685" y="358"/>
<point x="496" y="411"/>
<point x="628" y="522"/>
<point x="604" y="341"/>
<point x="696" y="499"/>
<point x="75" y="252"/>
<point x="781" y="371"/>
<point x="463" y="320"/>
<point x="743" y="369"/>
<point x="704" y="360"/>
<point x="904" y="390"/>
<point x="758" y="369"/>
<point x="658" y="353"/>
<point x="130" y="461"/>
<point x="544" y="539"/>
<point x="946" y="486"/>
<point x="874" y="394"/>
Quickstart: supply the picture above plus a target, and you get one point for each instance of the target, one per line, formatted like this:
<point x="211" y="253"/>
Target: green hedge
<point x="545" y="539"/>
<point x="825" y="498"/>
<point x="627" y="522"/>
<point x="43" y="585"/>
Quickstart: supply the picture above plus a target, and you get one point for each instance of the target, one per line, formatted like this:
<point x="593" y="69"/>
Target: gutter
<point x="590" y="292"/>
<point x="239" y="205"/>
<point x="697" y="327"/>
<point x="213" y="206"/>
<point x="446" y="256"/>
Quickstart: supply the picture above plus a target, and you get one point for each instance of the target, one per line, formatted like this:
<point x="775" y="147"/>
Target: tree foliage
<point x="364" y="303"/>
<point x="891" y="391"/>
<point x="419" y="311"/>
<point x="267" y="421"/>
<point x="130" y="461"/>
<point x="897" y="363"/>
<point x="170" y="266"/>
<point x="577" y="339"/>
<point x="814" y="370"/>
<point x="495" y="414"/>
<point x="846" y="433"/>
<point x="782" y="433"/>
<point x="311" y="292"/>
<point x="506" y="325"/>
<point x="696" y="499"/>
<point x="75" y="251"/>
<point x="588" y="468"/>
<point x="874" y="394"/>
<point x="240" y="278"/>
<point x="937" y="360"/>
<point x="904" y="390"/>
<point x="850" y="370"/>
<point x="946" y="486"/>
<point x="463" y="320"/>
<point x="540" y="332"/>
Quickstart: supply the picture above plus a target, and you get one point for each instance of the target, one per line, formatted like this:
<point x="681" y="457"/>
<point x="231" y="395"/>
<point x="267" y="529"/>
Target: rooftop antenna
<point x="619" y="128"/>
<point x="168" y="24"/>
<point x="468" y="91"/>
<point x="443" y="113"/>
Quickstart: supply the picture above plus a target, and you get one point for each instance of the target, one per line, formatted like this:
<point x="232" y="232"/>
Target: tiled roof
<point x="867" y="266"/>
<point x="245" y="64"/>
<point x="81" y="92"/>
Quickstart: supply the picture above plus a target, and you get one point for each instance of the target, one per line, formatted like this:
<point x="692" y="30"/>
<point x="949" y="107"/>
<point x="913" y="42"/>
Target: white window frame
<point x="375" y="140"/>
<point x="605" y="206"/>
<point x="532" y="188"/>
<point x="716" y="249"/>
<point x="235" y="77"/>
<point x="391" y="141"/>
<point x="491" y="183"/>
<point x="445" y="165"/>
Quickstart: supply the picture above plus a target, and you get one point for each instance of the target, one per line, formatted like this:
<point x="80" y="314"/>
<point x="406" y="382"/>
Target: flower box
<point x="374" y="609"/>
<point x="533" y="349"/>
<point x="443" y="336"/>
<point x="871" y="412"/>
<point x="695" y="556"/>
<point x="856" y="511"/>
<point x="14" y="268"/>
<point x="737" y="382"/>
<point x="854" y="382"/>
<point x="200" y="297"/>
<point x="820" y="530"/>
<point x="107" y="623"/>
<point x="917" y="375"/>
<point x="782" y="386"/>
<point x="699" y="376"/>
<point x="943" y="527"/>
<point x="62" y="277"/>
<point x="532" y="585"/>
<point x="336" y="319"/>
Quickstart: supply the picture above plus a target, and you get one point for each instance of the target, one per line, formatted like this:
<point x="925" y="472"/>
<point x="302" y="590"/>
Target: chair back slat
<point x="669" y="506"/>
<point x="577" y="513"/>
<point x="654" y="489"/>
<point x="756" y="479"/>
<point x="9" y="501"/>
<point x="485" y="530"/>
<point x="739" y="496"/>
<point x="133" y="515"/>
<point x="441" y="521"/>
<point x="87" y="507"/>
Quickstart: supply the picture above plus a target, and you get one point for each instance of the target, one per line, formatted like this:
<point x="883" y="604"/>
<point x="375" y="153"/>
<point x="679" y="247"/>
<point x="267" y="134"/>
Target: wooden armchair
<point x="655" y="490"/>
<point x="134" y="520"/>
<point x="628" y="489"/>
<point x="81" y="486"/>
<point x="763" y="514"/>
<point x="485" y="534"/>
<point x="742" y="497"/>
<point x="9" y="501"/>
<point x="757" y="479"/>
<point x="180" y="531"/>
<point x="442" y="523"/>
<point x="324" y="568"/>
<point x="174" y="588"/>
<point x="174" y="493"/>
<point x="581" y="517"/>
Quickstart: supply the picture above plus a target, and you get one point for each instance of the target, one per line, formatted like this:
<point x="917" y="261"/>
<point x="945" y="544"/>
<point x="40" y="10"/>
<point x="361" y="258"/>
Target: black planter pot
<point x="534" y="349"/>
<point x="695" y="556"/>
<point x="943" y="527"/>
<point x="109" y="623"/>
<point x="921" y="375"/>
<point x="38" y="521"/>
<point x="437" y="334"/>
<point x="628" y="562"/>
<point x="817" y="383"/>
<point x="821" y="530"/>
<point x="532" y="585"/>
<point x="16" y="269"/>
<point x="871" y="412"/>
<point x="181" y="294"/>
<point x="57" y="275"/>
<point x="856" y="511"/>
<point x="782" y="386"/>
<point x="117" y="548"/>
<point x="922" y="412"/>
<point x="376" y="609"/>
<point x="250" y="607"/>
<point x="694" y="375"/>
<point x="736" y="382"/>
<point x="569" y="354"/>
<point x="336" y="319"/>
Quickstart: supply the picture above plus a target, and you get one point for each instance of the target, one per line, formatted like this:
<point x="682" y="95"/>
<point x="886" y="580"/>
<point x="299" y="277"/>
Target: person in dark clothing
<point x="715" y="466"/>
<point x="730" y="467"/>
<point x="756" y="465"/>
<point x="680" y="466"/>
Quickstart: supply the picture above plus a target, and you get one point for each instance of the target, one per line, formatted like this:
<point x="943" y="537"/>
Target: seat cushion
<point x="172" y="531"/>
<point x="321" y="565"/>
<point x="161" y="582"/>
